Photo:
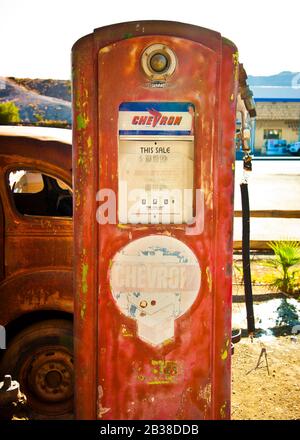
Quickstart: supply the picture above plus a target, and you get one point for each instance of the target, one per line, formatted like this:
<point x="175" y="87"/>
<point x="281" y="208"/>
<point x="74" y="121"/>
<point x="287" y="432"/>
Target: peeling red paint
<point x="107" y="342"/>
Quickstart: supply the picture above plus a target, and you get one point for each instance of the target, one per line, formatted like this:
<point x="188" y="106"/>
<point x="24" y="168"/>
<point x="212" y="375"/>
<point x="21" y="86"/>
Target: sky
<point x="36" y="36"/>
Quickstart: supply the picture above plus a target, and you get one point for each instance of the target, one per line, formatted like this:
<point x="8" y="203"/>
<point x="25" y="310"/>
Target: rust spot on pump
<point x="209" y="278"/>
<point x="225" y="351"/>
<point x="100" y="409"/>
<point x="235" y="57"/>
<point x="82" y="121"/>
<point x="126" y="333"/>
<point x="84" y="285"/>
<point x="223" y="410"/>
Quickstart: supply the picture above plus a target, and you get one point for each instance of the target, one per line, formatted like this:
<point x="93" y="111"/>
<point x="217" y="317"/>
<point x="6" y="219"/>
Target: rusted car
<point x="36" y="238"/>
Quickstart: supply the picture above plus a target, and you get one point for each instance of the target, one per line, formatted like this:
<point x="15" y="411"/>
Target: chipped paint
<point x="89" y="142"/>
<point x="209" y="278"/>
<point x="159" y="382"/>
<point x="77" y="198"/>
<point x="165" y="372"/>
<point x="168" y="341"/>
<point x="83" y="311"/>
<point x="205" y="393"/>
<point x="84" y="155"/>
<point x="105" y="49"/>
<point x="225" y="351"/>
<point x="84" y="285"/>
<point x="126" y="333"/>
<point x="82" y="121"/>
<point x="120" y="226"/>
<point x="101" y="410"/>
<point x="223" y="410"/>
<point x="185" y="395"/>
<point x="84" y="160"/>
<point x="157" y="372"/>
<point x="235" y="58"/>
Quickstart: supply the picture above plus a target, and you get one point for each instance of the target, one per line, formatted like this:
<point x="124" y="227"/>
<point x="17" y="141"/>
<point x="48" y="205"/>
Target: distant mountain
<point x="38" y="100"/>
<point x="44" y="101"/>
<point x="55" y="88"/>
<point x="280" y="79"/>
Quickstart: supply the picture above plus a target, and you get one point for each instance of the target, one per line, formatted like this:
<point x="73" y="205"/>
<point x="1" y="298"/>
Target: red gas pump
<point x="154" y="124"/>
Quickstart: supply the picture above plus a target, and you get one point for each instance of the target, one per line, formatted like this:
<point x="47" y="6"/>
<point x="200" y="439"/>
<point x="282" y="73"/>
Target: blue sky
<point x="36" y="36"/>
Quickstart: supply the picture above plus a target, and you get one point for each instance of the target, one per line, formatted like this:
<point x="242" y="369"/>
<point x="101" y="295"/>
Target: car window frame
<point x="12" y="205"/>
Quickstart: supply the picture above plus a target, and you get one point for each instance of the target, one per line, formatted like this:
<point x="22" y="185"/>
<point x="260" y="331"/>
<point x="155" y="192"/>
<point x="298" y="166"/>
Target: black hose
<point x="246" y="259"/>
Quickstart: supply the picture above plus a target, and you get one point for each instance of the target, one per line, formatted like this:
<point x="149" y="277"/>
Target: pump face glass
<point x="156" y="162"/>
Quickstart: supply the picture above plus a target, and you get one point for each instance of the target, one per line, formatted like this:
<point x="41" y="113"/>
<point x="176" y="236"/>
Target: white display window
<point x="156" y="163"/>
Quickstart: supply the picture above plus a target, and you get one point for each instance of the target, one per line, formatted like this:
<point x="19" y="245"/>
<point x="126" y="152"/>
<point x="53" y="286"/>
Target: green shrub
<point x="9" y="113"/>
<point x="52" y="123"/>
<point x="287" y="314"/>
<point x="38" y="117"/>
<point x="287" y="256"/>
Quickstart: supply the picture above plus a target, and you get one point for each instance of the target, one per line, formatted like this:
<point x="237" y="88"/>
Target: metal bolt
<point x="143" y="304"/>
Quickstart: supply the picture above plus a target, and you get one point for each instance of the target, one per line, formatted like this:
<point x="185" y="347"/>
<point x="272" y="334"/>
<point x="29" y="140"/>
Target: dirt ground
<point x="257" y="395"/>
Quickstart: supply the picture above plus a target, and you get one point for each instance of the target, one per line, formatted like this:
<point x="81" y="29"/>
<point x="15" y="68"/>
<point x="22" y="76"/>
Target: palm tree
<point x="287" y="255"/>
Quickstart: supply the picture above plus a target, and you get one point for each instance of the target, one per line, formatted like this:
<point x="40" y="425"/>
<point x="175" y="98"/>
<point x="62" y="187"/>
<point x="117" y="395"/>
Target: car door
<point x="39" y="228"/>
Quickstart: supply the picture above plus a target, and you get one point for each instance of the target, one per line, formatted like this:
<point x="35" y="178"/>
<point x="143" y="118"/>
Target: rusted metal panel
<point x="84" y="174"/>
<point x="54" y="154"/>
<point x="36" y="290"/>
<point x="36" y="250"/>
<point x="223" y="172"/>
<point x="188" y="375"/>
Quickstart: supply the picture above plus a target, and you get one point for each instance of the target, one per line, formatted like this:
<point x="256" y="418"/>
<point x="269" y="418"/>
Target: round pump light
<point x="158" y="61"/>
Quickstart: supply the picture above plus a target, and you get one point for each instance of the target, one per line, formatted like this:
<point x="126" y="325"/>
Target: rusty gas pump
<point x="154" y="124"/>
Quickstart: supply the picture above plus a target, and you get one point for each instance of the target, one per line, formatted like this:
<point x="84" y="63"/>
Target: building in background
<point x="278" y="117"/>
